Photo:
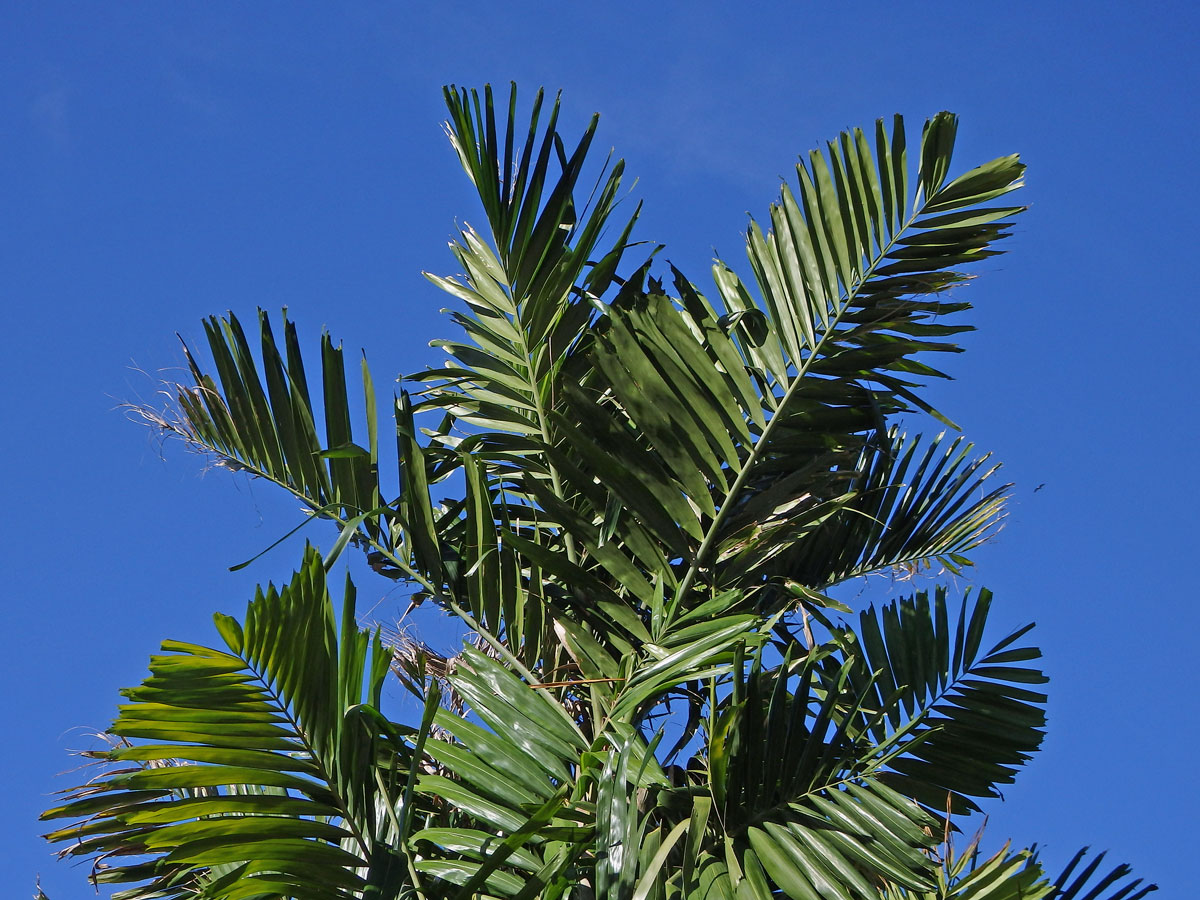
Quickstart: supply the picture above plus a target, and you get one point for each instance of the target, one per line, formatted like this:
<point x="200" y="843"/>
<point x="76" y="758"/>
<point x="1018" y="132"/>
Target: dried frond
<point x="415" y="663"/>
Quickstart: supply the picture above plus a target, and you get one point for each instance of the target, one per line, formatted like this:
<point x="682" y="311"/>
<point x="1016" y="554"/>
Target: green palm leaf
<point x="252" y="765"/>
<point x="731" y="438"/>
<point x="527" y="299"/>
<point x="528" y="303"/>
<point x="511" y="783"/>
<point x="954" y="720"/>
<point x="805" y="773"/>
<point x="267" y="424"/>
<point x="1018" y="875"/>
<point x="1006" y="875"/>
<point x="908" y="509"/>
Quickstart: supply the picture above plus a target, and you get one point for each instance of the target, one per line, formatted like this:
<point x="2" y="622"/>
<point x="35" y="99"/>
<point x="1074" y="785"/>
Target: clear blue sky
<point x="161" y="162"/>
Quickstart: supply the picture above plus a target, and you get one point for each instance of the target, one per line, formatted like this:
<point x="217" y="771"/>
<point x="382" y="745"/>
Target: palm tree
<point x="657" y="491"/>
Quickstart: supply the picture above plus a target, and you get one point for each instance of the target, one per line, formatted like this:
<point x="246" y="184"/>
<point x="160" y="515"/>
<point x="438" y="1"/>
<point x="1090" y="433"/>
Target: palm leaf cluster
<point x="654" y="493"/>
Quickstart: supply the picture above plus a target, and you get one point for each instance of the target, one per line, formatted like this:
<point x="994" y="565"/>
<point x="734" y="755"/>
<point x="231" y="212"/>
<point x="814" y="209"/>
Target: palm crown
<point x="657" y="490"/>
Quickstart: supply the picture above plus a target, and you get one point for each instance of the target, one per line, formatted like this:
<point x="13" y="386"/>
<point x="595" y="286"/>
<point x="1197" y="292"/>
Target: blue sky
<point x="163" y="162"/>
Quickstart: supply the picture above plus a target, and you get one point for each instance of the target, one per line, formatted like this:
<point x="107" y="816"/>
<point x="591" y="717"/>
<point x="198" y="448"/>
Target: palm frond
<point x="510" y="783"/>
<point x="952" y="720"/>
<point x="254" y="765"/>
<point x="1006" y="875"/>
<point x="1018" y="875"/>
<point x="528" y="293"/>
<point x="268" y="425"/>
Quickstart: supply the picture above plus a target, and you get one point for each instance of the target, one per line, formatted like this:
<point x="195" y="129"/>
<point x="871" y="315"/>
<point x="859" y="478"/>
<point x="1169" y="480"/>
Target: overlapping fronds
<point x="648" y="443"/>
<point x="507" y="784"/>
<point x="650" y="486"/>
<point x="909" y="508"/>
<point x="732" y="437"/>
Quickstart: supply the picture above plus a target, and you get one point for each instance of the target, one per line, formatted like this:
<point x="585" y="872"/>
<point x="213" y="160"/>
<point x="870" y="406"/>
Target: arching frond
<point x="256" y="765"/>
<point x="955" y="720"/>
